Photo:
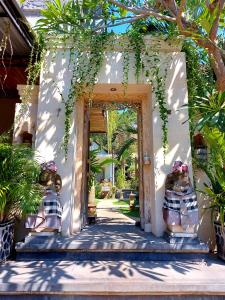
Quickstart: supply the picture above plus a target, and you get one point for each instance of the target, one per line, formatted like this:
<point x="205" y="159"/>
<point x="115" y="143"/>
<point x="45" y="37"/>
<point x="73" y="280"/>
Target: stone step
<point x="107" y="297"/>
<point x="57" y="247"/>
<point x="81" y="280"/>
<point x="109" y="256"/>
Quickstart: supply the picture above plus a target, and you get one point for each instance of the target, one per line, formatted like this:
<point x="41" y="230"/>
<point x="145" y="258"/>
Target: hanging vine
<point x="34" y="66"/>
<point x="86" y="66"/>
<point x="87" y="54"/>
<point x="137" y="43"/>
<point x="126" y="65"/>
<point x="156" y="76"/>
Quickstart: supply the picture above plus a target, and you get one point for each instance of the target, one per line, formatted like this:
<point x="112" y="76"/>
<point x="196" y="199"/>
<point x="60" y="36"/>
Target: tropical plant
<point x="131" y="139"/>
<point x="95" y="167"/>
<point x="20" y="192"/>
<point x="215" y="170"/>
<point x="120" y="178"/>
<point x="210" y="111"/>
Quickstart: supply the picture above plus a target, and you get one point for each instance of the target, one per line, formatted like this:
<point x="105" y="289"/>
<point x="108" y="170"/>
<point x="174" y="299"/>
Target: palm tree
<point x="95" y="167"/>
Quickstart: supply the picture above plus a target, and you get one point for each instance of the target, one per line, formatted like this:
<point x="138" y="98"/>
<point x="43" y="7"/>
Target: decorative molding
<point x="118" y="43"/>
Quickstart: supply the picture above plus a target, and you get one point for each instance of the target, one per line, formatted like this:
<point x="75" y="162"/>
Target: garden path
<point x="107" y="213"/>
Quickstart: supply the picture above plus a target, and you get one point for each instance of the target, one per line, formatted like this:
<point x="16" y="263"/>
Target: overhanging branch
<point x="145" y="12"/>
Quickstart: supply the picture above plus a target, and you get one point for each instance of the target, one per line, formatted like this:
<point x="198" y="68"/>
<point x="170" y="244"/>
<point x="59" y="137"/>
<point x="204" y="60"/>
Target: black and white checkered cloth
<point x="51" y="204"/>
<point x="176" y="201"/>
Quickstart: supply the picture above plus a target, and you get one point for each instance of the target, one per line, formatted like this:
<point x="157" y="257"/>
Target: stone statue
<point x="180" y="210"/>
<point x="49" y="214"/>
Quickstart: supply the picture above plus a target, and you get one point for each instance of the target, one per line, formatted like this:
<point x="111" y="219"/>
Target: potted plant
<point x="20" y="192"/>
<point x="113" y="190"/>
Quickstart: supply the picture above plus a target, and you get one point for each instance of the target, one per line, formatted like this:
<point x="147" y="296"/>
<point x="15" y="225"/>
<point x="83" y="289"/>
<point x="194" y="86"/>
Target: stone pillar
<point x="54" y="81"/>
<point x="178" y="135"/>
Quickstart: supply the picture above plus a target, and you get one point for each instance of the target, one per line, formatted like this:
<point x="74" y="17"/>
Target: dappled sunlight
<point x="58" y="276"/>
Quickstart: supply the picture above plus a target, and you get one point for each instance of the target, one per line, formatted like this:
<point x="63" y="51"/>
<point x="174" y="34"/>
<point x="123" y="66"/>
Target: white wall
<point x="206" y="230"/>
<point x="26" y="115"/>
<point x="54" y="80"/>
<point x="178" y="135"/>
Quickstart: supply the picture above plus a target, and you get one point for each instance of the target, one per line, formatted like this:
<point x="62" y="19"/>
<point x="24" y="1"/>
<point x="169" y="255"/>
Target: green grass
<point x="130" y="213"/>
<point x="97" y="201"/>
<point x="120" y="202"/>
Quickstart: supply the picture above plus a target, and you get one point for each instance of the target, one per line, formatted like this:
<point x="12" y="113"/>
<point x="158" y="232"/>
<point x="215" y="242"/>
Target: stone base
<point x="183" y="238"/>
<point x="43" y="233"/>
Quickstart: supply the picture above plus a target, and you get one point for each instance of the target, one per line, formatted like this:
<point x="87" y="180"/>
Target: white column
<point x="55" y="79"/>
<point x="178" y="136"/>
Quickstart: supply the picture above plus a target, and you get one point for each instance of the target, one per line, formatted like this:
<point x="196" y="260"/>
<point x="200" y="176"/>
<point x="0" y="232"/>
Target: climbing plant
<point x="156" y="73"/>
<point x="76" y="24"/>
<point x="34" y="66"/>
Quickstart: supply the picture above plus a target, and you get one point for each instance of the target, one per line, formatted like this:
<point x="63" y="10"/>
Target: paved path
<point x="114" y="277"/>
<point x="107" y="214"/>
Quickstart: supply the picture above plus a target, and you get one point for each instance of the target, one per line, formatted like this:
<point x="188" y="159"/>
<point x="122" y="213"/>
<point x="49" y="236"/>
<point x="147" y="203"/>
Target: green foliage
<point x="120" y="202"/>
<point x="215" y="170"/>
<point x="95" y="167"/>
<point x="120" y="178"/>
<point x="98" y="191"/>
<point x="126" y="65"/>
<point x="112" y="119"/>
<point x="19" y="173"/>
<point x="86" y="66"/>
<point x="123" y="150"/>
<point x="137" y="44"/>
<point x="199" y="13"/>
<point x="76" y="21"/>
<point x="210" y="111"/>
<point x="159" y="89"/>
<point x="200" y="80"/>
<point x="66" y="17"/>
<point x="34" y="67"/>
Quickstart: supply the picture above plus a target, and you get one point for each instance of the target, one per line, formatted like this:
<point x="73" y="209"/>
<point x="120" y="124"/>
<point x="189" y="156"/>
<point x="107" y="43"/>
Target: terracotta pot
<point x="220" y="239"/>
<point x="91" y="210"/>
<point x="6" y="239"/>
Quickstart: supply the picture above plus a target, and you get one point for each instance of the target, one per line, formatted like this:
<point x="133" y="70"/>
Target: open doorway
<point x="114" y="169"/>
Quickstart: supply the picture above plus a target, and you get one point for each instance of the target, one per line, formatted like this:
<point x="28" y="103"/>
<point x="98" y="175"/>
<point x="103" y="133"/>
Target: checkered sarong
<point x="51" y="204"/>
<point x="176" y="201"/>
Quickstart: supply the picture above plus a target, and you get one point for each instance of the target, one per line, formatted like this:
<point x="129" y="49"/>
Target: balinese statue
<point x="49" y="214"/>
<point x="180" y="209"/>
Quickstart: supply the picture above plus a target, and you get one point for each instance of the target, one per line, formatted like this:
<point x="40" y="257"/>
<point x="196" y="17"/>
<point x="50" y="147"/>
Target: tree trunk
<point x="219" y="68"/>
<point x="217" y="63"/>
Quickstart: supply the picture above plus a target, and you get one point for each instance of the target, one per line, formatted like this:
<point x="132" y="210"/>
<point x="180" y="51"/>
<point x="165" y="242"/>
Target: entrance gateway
<point x="46" y="121"/>
<point x="140" y="102"/>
